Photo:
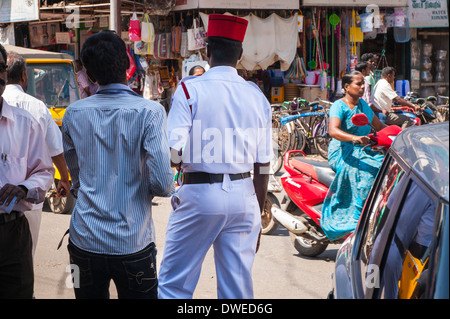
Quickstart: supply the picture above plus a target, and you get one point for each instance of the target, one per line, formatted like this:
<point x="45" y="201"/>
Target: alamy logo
<point x="73" y="19"/>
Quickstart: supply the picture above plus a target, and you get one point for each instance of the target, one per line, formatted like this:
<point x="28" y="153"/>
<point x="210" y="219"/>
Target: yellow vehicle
<point x="51" y="79"/>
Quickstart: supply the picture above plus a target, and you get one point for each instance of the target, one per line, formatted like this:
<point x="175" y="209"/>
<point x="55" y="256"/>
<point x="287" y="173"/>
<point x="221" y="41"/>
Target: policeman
<point x="220" y="129"/>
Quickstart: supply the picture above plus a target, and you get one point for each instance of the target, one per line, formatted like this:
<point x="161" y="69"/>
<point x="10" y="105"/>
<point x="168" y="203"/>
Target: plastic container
<point x="366" y="22"/>
<point x="441" y="55"/>
<point x="378" y="20"/>
<point x="399" y="18"/>
<point x="426" y="63"/>
<point x="427" y="49"/>
<point x="389" y="20"/>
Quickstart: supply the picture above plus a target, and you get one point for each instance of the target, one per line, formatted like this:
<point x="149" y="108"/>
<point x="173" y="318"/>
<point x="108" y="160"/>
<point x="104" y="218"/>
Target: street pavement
<point x="279" y="271"/>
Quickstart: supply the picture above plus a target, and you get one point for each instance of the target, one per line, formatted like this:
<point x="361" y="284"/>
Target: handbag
<point x="132" y="69"/>
<point x="147" y="30"/>
<point x="162" y="48"/>
<point x="176" y="39"/>
<point x="134" y="31"/>
<point x="184" y="51"/>
<point x="196" y="37"/>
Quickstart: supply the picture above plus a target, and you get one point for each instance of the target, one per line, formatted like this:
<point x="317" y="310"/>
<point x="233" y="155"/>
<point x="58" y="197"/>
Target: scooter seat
<point x="318" y="169"/>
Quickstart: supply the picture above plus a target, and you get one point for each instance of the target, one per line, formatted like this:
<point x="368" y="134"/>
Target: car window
<point x="377" y="215"/>
<point x="406" y="256"/>
<point x="52" y="83"/>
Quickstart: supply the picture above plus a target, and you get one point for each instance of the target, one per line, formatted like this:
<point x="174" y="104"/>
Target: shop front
<point x="428" y="21"/>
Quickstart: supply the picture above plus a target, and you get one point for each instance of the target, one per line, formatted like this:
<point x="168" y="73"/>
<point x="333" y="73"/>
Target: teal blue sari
<point x="355" y="169"/>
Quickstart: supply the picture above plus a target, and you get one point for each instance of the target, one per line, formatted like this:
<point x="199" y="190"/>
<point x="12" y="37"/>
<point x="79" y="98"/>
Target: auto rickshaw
<point x="52" y="79"/>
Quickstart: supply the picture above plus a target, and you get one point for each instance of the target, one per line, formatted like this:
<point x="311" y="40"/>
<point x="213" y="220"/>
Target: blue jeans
<point x="134" y="275"/>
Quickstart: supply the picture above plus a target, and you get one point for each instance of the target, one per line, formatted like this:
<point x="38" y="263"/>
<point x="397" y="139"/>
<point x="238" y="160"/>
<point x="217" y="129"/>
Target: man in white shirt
<point x="384" y="96"/>
<point x="26" y="172"/>
<point x="14" y="95"/>
<point x="221" y="126"/>
<point x="86" y="86"/>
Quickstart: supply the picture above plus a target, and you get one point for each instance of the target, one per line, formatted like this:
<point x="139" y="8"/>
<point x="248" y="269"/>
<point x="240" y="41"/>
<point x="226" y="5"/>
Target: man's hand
<point x="63" y="189"/>
<point x="416" y="107"/>
<point x="9" y="191"/>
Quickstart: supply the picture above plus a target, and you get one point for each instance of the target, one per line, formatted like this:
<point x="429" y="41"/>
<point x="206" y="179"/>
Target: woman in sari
<point x="355" y="167"/>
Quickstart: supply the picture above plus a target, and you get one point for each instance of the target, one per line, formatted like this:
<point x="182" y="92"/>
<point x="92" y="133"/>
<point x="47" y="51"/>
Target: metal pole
<point x="115" y="21"/>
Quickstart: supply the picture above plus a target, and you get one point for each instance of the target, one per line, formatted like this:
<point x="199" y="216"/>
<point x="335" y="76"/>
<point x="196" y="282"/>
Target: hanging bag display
<point x="132" y="69"/>
<point x="147" y="30"/>
<point x="176" y="39"/>
<point x="161" y="46"/>
<point x="134" y="31"/>
<point x="196" y="37"/>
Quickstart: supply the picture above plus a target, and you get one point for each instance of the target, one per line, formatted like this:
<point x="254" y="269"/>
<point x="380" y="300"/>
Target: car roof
<point x="27" y="53"/>
<point x="426" y="150"/>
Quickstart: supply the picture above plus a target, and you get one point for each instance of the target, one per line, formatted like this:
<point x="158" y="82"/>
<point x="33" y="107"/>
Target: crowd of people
<point x="120" y="150"/>
<point x="356" y="166"/>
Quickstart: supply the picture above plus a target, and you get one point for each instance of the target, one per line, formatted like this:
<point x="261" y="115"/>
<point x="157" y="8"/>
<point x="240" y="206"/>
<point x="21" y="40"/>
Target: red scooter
<point x="306" y="184"/>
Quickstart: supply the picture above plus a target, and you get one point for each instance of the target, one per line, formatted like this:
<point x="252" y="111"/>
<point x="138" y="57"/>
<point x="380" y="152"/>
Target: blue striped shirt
<point x="116" y="148"/>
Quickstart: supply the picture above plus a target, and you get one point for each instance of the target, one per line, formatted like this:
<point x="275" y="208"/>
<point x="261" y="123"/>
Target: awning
<point x="267" y="41"/>
<point x="237" y="4"/>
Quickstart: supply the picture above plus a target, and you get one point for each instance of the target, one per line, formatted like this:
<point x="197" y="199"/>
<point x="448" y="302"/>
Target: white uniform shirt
<point x="15" y="96"/>
<point x="25" y="159"/>
<point x="229" y="128"/>
<point x="383" y="94"/>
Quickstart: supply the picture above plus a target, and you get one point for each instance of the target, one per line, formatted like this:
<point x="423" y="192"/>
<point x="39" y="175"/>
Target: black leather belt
<point x="205" y="178"/>
<point x="6" y="218"/>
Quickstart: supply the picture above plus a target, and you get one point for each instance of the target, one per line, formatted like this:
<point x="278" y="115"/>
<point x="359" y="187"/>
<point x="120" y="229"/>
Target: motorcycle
<point x="306" y="183"/>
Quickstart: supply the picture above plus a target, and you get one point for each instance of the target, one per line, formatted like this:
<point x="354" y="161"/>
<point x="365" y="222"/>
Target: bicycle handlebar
<point x="289" y="118"/>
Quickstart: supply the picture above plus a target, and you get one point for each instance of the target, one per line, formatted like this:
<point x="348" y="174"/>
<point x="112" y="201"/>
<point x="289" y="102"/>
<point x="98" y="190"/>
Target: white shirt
<point x="383" y="94"/>
<point x="15" y="96"/>
<point x="27" y="162"/>
<point x="230" y="127"/>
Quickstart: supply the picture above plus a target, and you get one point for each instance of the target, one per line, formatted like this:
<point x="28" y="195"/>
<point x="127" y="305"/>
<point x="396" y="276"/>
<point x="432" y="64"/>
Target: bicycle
<point x="310" y="126"/>
<point x="286" y="137"/>
<point x="320" y="135"/>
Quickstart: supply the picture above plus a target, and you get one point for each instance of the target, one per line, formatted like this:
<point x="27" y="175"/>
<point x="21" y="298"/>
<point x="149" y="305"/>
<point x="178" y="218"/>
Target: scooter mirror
<point x="360" y="119"/>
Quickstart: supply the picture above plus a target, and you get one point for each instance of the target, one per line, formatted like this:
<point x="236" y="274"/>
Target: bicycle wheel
<point x="320" y="142"/>
<point x="301" y="139"/>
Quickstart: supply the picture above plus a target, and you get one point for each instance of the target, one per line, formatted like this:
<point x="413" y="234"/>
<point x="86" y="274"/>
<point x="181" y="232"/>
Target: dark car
<point x="400" y="247"/>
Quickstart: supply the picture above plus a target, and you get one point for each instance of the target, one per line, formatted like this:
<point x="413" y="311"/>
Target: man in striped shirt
<point x="116" y="148"/>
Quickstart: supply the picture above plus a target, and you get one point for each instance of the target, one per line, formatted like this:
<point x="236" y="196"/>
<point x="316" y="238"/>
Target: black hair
<point x="386" y="71"/>
<point x="193" y="69"/>
<point x="105" y="58"/>
<point x="225" y="51"/>
<point x="3" y="52"/>
<point x="367" y="56"/>
<point x="16" y="66"/>
<point x="348" y="78"/>
<point x="360" y="66"/>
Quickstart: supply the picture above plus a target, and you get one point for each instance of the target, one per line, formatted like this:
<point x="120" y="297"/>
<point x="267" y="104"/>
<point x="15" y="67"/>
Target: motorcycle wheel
<point x="268" y="223"/>
<point x="305" y="246"/>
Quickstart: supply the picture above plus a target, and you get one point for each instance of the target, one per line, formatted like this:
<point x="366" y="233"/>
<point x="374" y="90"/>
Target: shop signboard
<point x="224" y="4"/>
<point x="427" y="13"/>
<point x="275" y="5"/>
<point x="237" y="4"/>
<point x="355" y="3"/>
<point x="185" y="5"/>
<point x="18" y="10"/>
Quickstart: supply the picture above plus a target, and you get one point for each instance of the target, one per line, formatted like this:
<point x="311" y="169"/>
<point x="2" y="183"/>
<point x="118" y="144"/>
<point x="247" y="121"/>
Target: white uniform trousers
<point x="223" y="215"/>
